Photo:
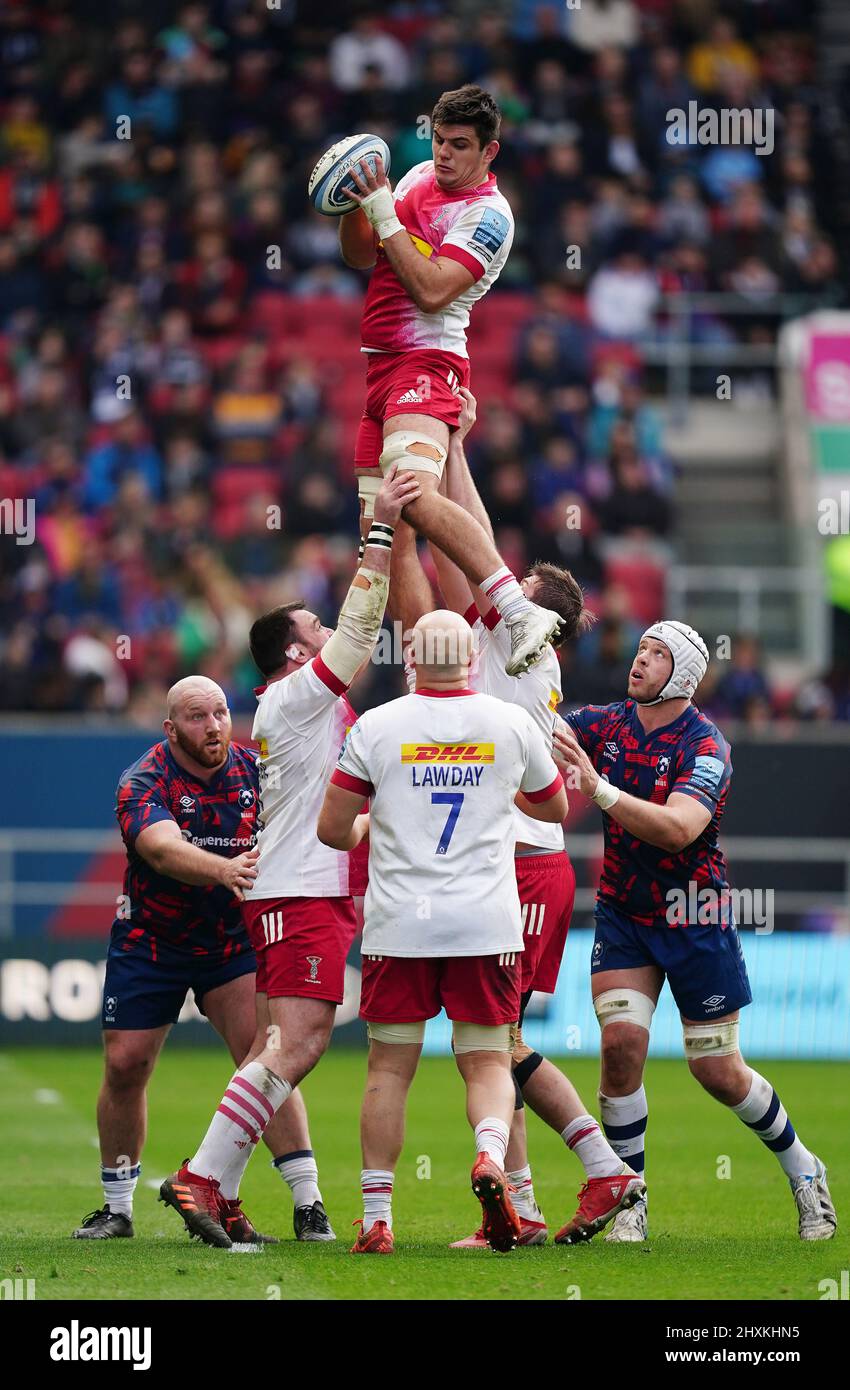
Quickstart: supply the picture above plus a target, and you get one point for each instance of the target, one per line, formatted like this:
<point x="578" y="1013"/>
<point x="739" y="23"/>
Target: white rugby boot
<point x="817" y="1214"/>
<point x="530" y="634"/>
<point x="630" y="1225"/>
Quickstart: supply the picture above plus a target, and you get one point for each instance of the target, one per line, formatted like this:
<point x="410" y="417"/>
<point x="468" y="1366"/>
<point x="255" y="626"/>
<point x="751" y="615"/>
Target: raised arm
<point x="460" y="488"/>
<point x="362" y="612"/>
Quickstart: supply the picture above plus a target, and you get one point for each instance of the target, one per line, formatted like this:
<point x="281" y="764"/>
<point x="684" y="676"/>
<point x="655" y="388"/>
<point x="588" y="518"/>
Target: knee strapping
<point x="624" y="1006"/>
<point x="710" y="1039"/>
<point x="414" y="452"/>
<point x="519" y="1103"/>
<point x="400" y="1033"/>
<point x="525" y="1069"/>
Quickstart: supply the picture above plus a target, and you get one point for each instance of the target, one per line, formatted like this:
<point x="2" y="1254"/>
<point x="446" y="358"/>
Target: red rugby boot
<point x="378" y="1240"/>
<point x="501" y="1225"/>
<point x="599" y="1200"/>
<point x="531" y="1233"/>
<point x="199" y="1202"/>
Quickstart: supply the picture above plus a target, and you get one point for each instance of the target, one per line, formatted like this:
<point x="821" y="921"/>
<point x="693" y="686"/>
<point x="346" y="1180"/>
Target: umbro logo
<point x="187" y="803"/>
<point x="410" y="397"/>
<point x="611" y="751"/>
<point x="714" y="1001"/>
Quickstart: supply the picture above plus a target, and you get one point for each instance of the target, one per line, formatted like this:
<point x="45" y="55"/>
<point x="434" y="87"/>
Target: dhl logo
<point x="554" y="699"/>
<point x="264" y="747"/>
<point x="448" y="752"/>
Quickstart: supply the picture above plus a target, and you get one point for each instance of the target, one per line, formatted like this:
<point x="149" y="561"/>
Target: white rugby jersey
<point x="443" y="769"/>
<point x="538" y="691"/>
<point x="300" y="725"/>
<point x="474" y="227"/>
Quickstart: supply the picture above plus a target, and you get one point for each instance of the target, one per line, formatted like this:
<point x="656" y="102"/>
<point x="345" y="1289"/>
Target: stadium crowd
<point x="169" y="353"/>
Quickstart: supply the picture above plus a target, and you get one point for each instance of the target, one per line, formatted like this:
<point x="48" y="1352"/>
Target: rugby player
<point x="442" y="924"/>
<point x="437" y="243"/>
<point x="660" y="771"/>
<point x="299" y="909"/>
<point x="545" y="876"/>
<point x="187" y="811"/>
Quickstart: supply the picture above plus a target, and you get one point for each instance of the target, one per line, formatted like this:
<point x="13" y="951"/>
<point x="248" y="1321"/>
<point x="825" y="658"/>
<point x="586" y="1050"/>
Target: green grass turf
<point x="711" y="1238"/>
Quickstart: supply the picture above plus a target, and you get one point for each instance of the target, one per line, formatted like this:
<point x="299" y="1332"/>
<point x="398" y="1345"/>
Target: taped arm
<point x="361" y="614"/>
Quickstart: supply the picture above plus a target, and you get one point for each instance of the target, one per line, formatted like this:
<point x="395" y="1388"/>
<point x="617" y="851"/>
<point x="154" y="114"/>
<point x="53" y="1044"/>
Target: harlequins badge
<point x="314" y="962"/>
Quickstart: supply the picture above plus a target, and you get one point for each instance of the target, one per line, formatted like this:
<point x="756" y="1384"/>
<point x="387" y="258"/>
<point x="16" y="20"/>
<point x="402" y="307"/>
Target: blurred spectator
<point x="743" y="686"/>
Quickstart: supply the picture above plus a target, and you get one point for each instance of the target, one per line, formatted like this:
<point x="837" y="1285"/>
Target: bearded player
<point x="544" y="874"/>
<point x="187" y="810"/>
<point x="660" y="773"/>
<point x="437" y="243"/>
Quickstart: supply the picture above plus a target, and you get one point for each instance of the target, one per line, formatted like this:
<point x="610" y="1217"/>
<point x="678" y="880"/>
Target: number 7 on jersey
<point x="455" y="801"/>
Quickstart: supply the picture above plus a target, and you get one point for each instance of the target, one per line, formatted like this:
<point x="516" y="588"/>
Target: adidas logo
<point x="410" y="397"/>
<point x="615" y="1190"/>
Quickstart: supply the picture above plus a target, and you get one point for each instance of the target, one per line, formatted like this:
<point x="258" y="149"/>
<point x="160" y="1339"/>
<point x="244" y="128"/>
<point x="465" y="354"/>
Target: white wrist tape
<point x="360" y="619"/>
<point x="381" y="535"/>
<point x="380" y="210"/>
<point x="605" y="795"/>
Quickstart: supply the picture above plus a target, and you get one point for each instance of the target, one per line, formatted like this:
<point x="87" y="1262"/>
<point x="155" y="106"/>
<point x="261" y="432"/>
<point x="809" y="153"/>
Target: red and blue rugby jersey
<point x="218" y="816"/>
<point x="689" y="756"/>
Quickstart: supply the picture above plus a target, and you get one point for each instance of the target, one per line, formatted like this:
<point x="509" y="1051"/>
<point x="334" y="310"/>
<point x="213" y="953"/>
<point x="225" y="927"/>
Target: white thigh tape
<point x="710" y="1039"/>
<point x="476" y="1037"/>
<point x="396" y="1032"/>
<point x="428" y="456"/>
<point x="624" y="1006"/>
<point x="367" y="489"/>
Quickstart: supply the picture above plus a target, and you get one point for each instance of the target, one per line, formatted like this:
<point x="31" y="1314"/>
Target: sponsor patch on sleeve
<point x="707" y="774"/>
<point x="490" y="233"/>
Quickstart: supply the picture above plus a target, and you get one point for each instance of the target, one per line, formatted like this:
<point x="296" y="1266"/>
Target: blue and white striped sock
<point x="763" y="1112"/>
<point x="119" y="1184"/>
<point x="624" y="1120"/>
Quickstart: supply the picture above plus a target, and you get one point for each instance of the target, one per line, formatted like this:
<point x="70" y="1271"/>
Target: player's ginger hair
<point x="183" y="689"/>
<point x="442" y="647"/>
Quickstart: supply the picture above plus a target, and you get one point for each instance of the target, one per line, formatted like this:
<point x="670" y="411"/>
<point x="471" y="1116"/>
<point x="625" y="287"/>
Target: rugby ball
<point x="330" y="181"/>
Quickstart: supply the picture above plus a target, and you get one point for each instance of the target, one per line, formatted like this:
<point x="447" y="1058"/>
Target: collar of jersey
<point x="645" y="736"/>
<point x="443" y="694"/>
<point x="488" y="186"/>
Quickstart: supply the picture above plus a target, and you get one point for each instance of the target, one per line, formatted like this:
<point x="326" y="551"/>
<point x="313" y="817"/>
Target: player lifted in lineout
<point x="187" y="811"/>
<point x="442" y="924"/>
<point x="299" y="910"/>
<point x="660" y="773"/>
<point x="438" y="243"/>
<point x="544" y="874"/>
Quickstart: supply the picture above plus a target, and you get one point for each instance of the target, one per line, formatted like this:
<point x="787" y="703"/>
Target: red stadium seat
<point x="642" y="576"/>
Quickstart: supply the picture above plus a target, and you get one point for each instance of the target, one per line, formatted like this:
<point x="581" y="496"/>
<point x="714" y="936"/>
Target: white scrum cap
<point x="690" y="659"/>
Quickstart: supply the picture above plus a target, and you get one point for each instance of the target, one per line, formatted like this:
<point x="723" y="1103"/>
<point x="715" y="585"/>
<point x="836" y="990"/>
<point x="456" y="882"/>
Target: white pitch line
<point x="44" y="1096"/>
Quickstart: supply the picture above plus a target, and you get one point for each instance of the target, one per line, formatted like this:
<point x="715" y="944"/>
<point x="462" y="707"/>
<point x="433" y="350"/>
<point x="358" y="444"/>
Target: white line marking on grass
<point x="45" y="1096"/>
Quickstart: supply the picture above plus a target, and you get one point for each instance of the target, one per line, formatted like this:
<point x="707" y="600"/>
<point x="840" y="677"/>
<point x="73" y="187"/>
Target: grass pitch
<point x="711" y="1237"/>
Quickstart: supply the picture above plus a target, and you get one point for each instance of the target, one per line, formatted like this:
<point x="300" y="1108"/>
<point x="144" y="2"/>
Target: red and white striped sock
<point x="589" y="1144"/>
<point x="522" y="1193"/>
<point x="376" y="1184"/>
<point x="253" y="1096"/>
<point x="504" y="592"/>
<point x="491" y="1137"/>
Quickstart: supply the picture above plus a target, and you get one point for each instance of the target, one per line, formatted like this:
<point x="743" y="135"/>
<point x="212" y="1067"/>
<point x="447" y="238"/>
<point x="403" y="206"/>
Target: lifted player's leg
<point x="122" y="1115"/>
<point x="420" y="443"/>
<point x="716" y="1062"/>
<point x="394" y="1051"/>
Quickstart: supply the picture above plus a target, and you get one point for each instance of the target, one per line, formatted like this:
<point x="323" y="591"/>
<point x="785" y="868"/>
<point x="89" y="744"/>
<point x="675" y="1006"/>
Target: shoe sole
<point x="199" y="1223"/>
<point x="364" y="1250"/>
<point x="498" y="1228"/>
<point x="124" y="1235"/>
<point x="313" y="1239"/>
<point x="584" y="1233"/>
<point x="514" y="667"/>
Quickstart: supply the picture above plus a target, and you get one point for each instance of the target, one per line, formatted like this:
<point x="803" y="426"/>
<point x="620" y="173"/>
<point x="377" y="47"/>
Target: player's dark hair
<point x="469" y="105"/>
<point x="559" y="590"/>
<point x="271" y="634"/>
